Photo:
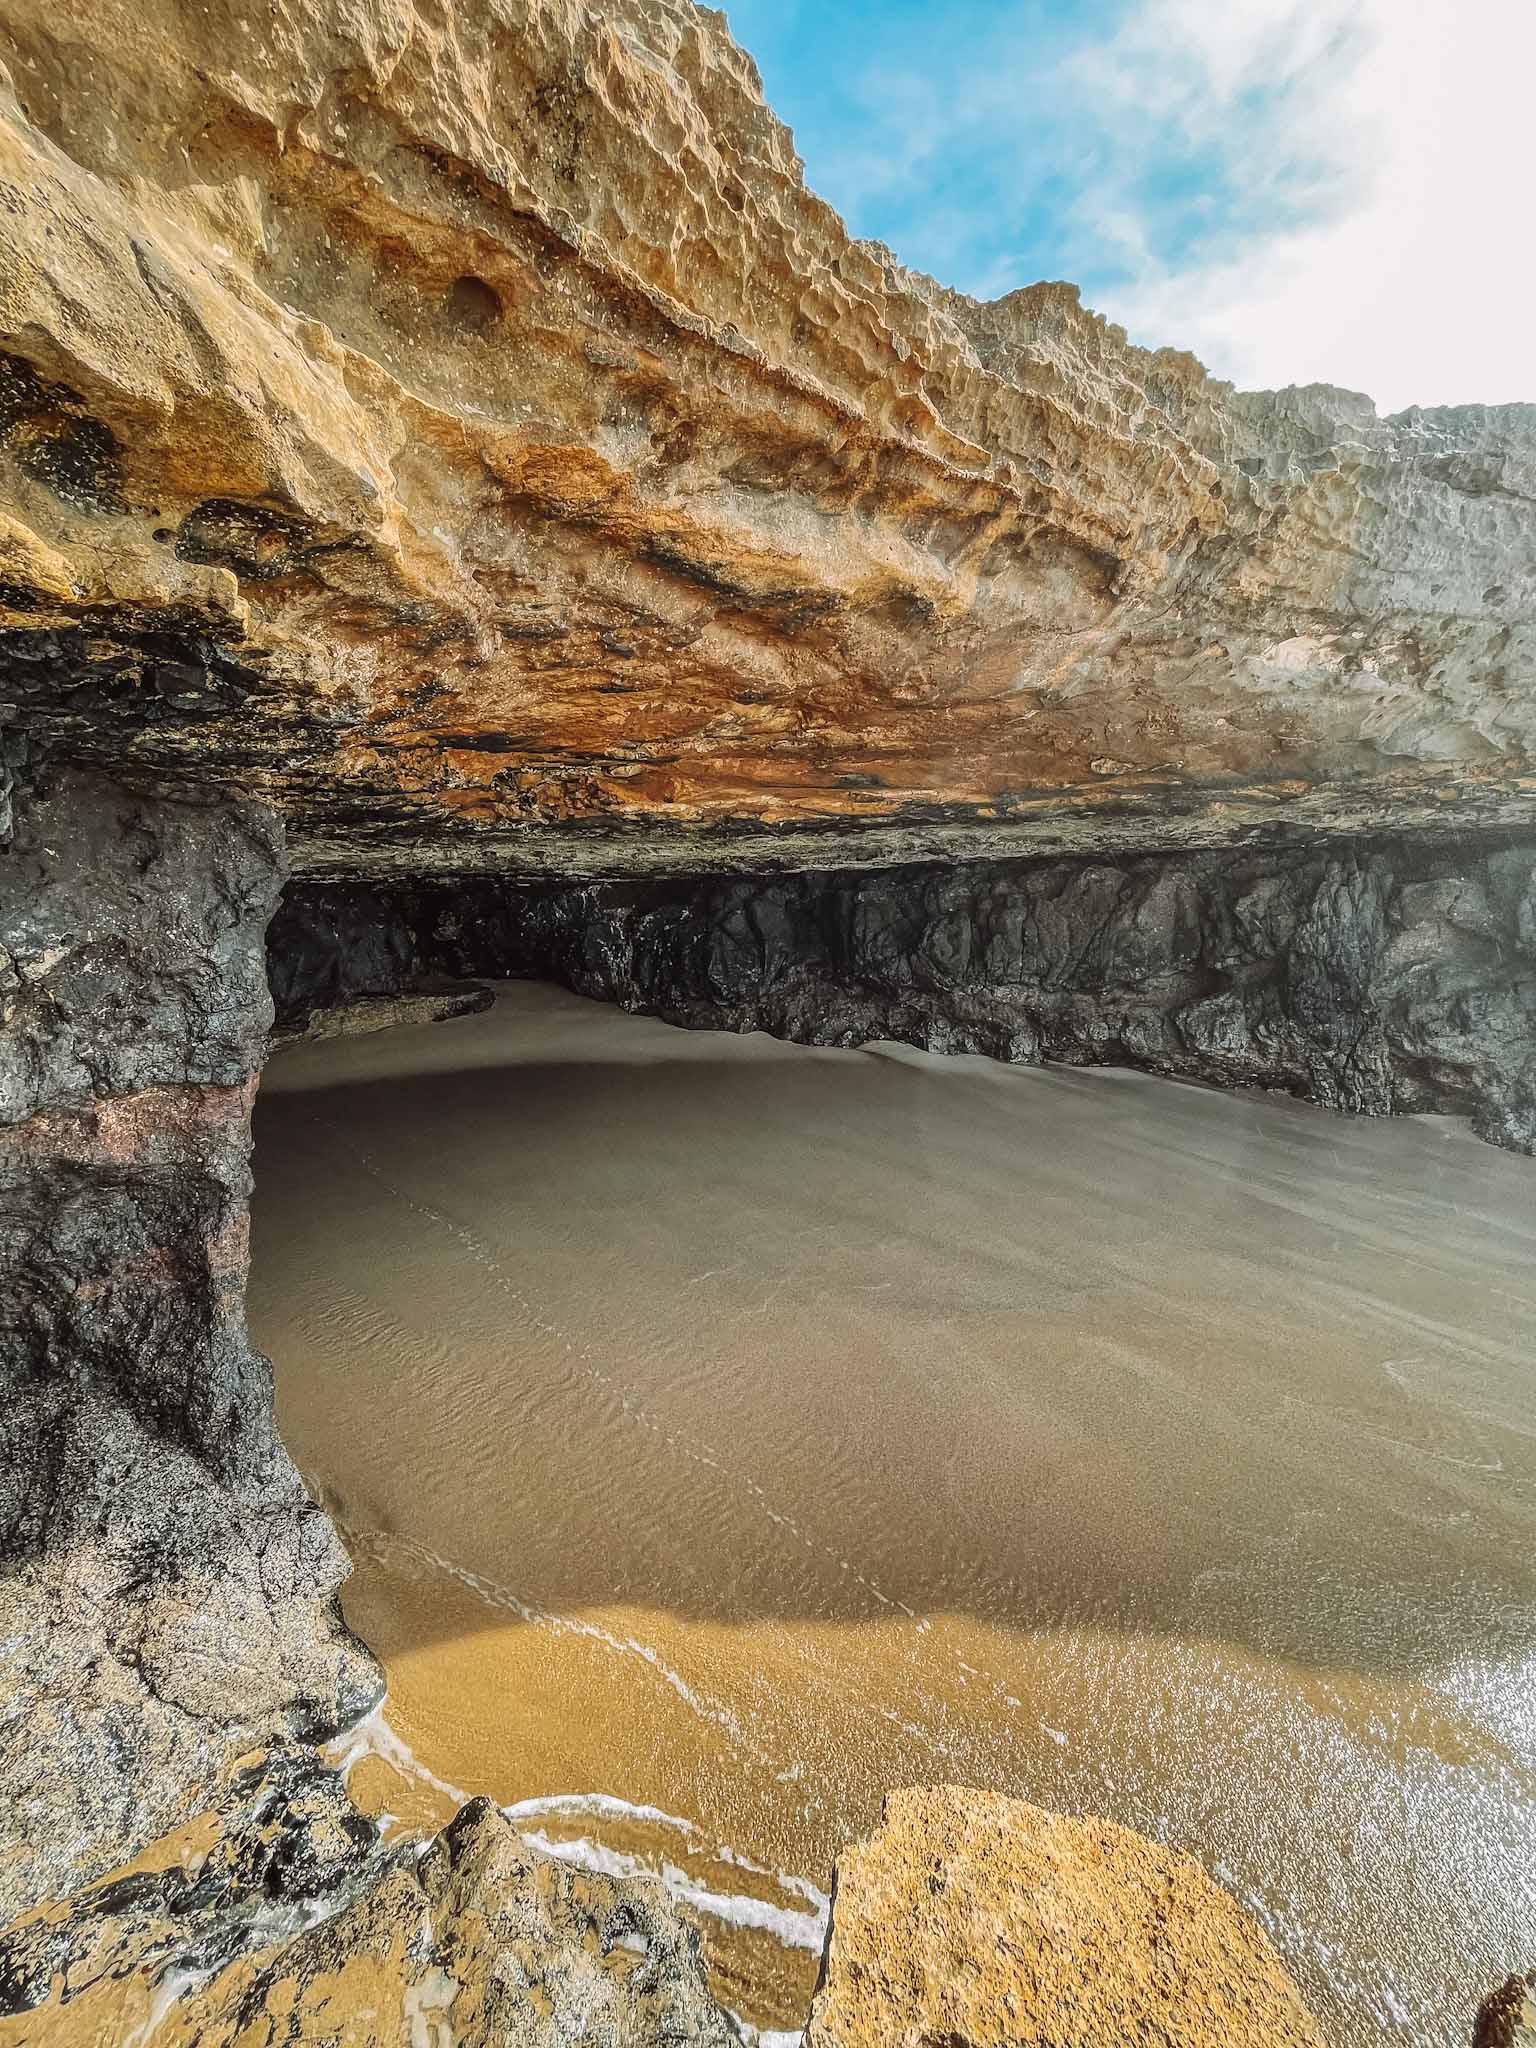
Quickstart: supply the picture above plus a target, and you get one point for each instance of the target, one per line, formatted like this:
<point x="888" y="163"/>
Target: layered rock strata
<point x="460" y="436"/>
<point x="166" y="1587"/>
<point x="472" y="436"/>
<point x="1371" y="976"/>
<point x="983" y="1922"/>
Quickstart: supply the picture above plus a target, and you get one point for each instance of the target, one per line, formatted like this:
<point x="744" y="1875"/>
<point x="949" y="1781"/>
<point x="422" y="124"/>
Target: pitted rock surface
<point x="284" y="1918"/>
<point x="167" y="1588"/>
<point x="474" y="437"/>
<point x="984" y="1922"/>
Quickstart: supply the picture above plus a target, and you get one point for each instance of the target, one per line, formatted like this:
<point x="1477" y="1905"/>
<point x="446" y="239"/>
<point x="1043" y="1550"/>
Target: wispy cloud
<point x="1386" y="156"/>
<point x="1298" y="190"/>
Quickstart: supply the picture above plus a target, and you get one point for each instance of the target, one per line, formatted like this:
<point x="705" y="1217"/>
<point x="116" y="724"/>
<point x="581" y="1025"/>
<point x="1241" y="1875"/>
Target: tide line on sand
<point x="373" y="1736"/>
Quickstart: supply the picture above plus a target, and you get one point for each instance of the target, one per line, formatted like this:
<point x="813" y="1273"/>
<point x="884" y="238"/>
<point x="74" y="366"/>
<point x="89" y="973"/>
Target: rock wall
<point x="459" y="434"/>
<point x="166" y="1587"/>
<point x="1372" y="976"/>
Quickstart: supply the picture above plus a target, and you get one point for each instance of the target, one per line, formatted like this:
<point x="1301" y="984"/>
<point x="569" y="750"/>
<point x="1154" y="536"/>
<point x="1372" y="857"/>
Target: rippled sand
<point x="733" y="1430"/>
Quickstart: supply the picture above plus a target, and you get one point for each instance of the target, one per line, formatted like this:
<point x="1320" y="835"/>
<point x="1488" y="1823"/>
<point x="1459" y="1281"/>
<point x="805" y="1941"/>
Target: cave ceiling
<point x="463" y="429"/>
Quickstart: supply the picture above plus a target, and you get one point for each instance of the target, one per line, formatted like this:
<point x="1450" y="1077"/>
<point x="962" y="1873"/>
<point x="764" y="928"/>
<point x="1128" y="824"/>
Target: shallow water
<point x="726" y="1431"/>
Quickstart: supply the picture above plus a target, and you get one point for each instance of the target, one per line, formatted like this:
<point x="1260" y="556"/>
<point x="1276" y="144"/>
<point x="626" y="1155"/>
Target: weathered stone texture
<point x="473" y="435"/>
<point x="984" y="1922"/>
<point x="289" y="1921"/>
<point x="166" y="1587"/>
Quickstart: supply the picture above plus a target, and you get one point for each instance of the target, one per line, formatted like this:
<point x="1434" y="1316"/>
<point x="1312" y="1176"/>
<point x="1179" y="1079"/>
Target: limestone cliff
<point x="467" y="431"/>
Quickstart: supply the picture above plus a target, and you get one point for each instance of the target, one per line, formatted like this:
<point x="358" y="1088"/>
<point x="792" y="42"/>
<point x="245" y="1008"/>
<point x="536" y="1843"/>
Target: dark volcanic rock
<point x="168" y="1587"/>
<point x="1372" y="975"/>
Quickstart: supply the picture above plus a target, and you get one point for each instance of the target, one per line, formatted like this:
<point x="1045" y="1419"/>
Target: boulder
<point x="976" y="1921"/>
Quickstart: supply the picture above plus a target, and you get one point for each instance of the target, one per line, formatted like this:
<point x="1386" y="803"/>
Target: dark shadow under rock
<point x="1380" y="975"/>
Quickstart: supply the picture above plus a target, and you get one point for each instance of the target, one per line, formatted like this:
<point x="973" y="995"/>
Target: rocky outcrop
<point x="983" y="1922"/>
<point x="471" y="435"/>
<point x="166" y="1587"/>
<point x="1374" y="976"/>
<point x="1508" y="2017"/>
<point x="288" y="1919"/>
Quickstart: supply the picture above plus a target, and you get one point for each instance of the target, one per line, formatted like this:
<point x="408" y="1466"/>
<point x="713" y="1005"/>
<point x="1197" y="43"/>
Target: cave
<point x="893" y="943"/>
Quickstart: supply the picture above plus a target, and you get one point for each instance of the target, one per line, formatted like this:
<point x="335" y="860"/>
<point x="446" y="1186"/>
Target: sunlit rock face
<point x="468" y="431"/>
<point x="1090" y="1934"/>
<point x="282" y="1916"/>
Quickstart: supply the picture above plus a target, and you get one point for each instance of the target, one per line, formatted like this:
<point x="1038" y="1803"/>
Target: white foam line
<point x="498" y="1595"/>
<point x="373" y="1736"/>
<point x="794" y="1930"/>
<point x="607" y="1806"/>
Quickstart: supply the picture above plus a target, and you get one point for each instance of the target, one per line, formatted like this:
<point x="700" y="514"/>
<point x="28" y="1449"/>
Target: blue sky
<point x="1296" y="189"/>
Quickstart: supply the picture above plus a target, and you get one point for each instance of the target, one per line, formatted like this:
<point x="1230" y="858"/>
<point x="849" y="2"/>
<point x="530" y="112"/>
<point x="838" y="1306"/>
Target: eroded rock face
<point x="461" y="435"/>
<point x="984" y="1922"/>
<point x="1372" y="976"/>
<point x="166" y="1586"/>
<point x="474" y="437"/>
<point x="285" y="1918"/>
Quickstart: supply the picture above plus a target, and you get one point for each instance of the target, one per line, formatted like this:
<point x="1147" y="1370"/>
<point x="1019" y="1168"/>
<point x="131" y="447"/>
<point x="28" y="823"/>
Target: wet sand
<point x="726" y="1431"/>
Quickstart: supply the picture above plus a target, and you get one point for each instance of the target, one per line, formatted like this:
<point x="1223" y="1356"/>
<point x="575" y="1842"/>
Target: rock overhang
<point x="482" y="446"/>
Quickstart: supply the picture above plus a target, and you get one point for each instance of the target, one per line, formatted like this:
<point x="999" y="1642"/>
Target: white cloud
<point x="1386" y="150"/>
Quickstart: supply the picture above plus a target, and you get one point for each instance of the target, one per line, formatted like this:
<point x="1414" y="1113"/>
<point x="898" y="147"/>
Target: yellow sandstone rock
<point x="466" y="429"/>
<point x="974" y="1921"/>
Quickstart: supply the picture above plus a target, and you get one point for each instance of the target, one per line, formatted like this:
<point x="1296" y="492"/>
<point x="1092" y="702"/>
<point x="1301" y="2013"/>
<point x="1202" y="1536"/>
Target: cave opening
<point x="473" y="308"/>
<point x="737" y="1402"/>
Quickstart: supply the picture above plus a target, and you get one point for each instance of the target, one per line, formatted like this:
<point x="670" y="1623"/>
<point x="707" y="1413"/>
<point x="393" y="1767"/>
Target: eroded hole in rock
<point x="472" y="307"/>
<point x="48" y="434"/>
<point x="256" y="541"/>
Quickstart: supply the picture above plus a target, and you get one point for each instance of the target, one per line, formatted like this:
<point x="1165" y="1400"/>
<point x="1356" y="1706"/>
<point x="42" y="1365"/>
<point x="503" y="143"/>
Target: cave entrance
<point x="725" y="1429"/>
